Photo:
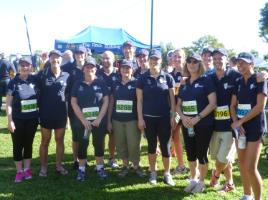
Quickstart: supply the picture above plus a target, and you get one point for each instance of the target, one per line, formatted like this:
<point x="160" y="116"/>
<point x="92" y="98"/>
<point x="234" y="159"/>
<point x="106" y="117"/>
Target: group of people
<point x="215" y="106"/>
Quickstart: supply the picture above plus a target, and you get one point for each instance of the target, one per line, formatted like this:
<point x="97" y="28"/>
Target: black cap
<point x="144" y="52"/>
<point x="195" y="56"/>
<point x="221" y="51"/>
<point x="56" y="52"/>
<point x="90" y="61"/>
<point x="155" y="54"/>
<point x="127" y="63"/>
<point x="247" y="57"/>
<point x="80" y="49"/>
<point x="25" y="60"/>
<point x="127" y="43"/>
<point x="207" y="50"/>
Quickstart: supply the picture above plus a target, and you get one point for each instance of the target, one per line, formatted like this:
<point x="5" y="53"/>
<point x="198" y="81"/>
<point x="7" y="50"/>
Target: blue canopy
<point x="101" y="39"/>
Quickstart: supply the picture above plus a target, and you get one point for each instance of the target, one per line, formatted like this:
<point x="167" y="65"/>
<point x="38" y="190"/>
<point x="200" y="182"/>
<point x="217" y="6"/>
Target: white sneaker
<point x="153" y="177"/>
<point x="200" y="187"/>
<point x="247" y="197"/>
<point x="191" y="186"/>
<point x="168" y="180"/>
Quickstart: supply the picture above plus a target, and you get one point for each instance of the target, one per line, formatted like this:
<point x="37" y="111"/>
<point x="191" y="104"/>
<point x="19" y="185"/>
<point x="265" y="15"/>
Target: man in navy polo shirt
<point x="109" y="75"/>
<point x="222" y="146"/>
<point x="155" y="102"/>
<point x="75" y="71"/>
<point x="207" y="60"/>
<point x="53" y="112"/>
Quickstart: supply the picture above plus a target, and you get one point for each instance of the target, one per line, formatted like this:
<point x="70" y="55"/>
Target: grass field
<point x="59" y="187"/>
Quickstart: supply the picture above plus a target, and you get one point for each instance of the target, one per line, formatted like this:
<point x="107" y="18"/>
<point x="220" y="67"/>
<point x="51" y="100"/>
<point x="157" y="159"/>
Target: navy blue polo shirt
<point x="25" y="97"/>
<point x="194" y="98"/>
<point x="108" y="79"/>
<point x="156" y="102"/>
<point x="137" y="74"/>
<point x="125" y="101"/>
<point x="90" y="97"/>
<point x="247" y="98"/>
<point x="176" y="76"/>
<point x="53" y="95"/>
<point x="224" y="89"/>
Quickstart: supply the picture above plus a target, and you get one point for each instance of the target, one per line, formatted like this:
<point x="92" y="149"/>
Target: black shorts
<point x="254" y="136"/>
<point x="53" y="124"/>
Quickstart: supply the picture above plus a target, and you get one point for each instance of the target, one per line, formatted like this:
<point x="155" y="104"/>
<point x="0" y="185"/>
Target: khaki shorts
<point x="222" y="147"/>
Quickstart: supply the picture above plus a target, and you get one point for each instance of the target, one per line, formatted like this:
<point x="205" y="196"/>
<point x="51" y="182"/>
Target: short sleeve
<point x="170" y="81"/>
<point x="262" y="87"/>
<point x="139" y="82"/>
<point x="11" y="87"/>
<point x="75" y="88"/>
<point x="209" y="85"/>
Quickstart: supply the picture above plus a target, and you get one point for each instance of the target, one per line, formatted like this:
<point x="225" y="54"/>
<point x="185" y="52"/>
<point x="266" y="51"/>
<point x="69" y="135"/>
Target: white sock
<point x="99" y="167"/>
<point x="166" y="173"/>
<point x="249" y="197"/>
<point x="82" y="168"/>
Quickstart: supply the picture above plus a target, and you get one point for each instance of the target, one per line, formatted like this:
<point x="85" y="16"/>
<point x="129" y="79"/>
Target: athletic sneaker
<point x="200" y="187"/>
<point x="112" y="163"/>
<point x="168" y="180"/>
<point x="19" y="177"/>
<point x="179" y="170"/>
<point x="214" y="181"/>
<point x="80" y="175"/>
<point x="246" y="198"/>
<point x="140" y="172"/>
<point x="102" y="173"/>
<point x="153" y="177"/>
<point x="124" y="171"/>
<point x="191" y="186"/>
<point x="227" y="188"/>
<point x="28" y="174"/>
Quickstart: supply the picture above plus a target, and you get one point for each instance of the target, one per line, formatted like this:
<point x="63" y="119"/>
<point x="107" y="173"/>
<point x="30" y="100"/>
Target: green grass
<point x="131" y="187"/>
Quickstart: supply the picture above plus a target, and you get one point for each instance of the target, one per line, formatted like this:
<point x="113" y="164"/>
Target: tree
<point x="205" y="41"/>
<point x="254" y="53"/>
<point x="263" y="23"/>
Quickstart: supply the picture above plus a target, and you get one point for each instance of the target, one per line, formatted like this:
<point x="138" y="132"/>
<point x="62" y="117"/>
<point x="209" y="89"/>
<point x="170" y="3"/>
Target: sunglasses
<point x="189" y="61"/>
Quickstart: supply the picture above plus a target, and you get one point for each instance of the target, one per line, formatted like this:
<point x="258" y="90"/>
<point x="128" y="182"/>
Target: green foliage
<point x="255" y="53"/>
<point x="263" y="23"/>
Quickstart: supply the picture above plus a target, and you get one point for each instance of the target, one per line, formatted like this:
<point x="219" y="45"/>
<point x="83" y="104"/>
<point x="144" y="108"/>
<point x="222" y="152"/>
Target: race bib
<point x="189" y="107"/>
<point x="91" y="113"/>
<point x="242" y="110"/>
<point x="123" y="106"/>
<point x="28" y="106"/>
<point x="222" y="113"/>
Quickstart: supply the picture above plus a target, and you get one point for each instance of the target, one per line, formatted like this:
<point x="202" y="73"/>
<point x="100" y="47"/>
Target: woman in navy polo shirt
<point x="90" y="103"/>
<point x="53" y="112"/>
<point x="196" y="101"/>
<point x="155" y="101"/>
<point x="122" y="119"/>
<point x="22" y="114"/>
<point x="178" y="59"/>
<point x="247" y="111"/>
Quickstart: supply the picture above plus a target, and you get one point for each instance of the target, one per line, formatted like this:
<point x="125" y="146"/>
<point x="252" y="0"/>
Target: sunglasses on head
<point x="189" y="61"/>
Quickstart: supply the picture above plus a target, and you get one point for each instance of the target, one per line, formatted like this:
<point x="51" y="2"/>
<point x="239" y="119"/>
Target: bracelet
<point x="173" y="114"/>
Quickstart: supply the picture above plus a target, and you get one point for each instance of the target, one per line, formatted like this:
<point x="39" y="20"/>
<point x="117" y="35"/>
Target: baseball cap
<point x="127" y="63"/>
<point x="142" y="52"/>
<point x="127" y="43"/>
<point x="25" y="60"/>
<point x="90" y="61"/>
<point x="221" y="51"/>
<point x="207" y="50"/>
<point x="155" y="54"/>
<point x="80" y="49"/>
<point x="195" y="56"/>
<point x="56" y="52"/>
<point x="247" y="57"/>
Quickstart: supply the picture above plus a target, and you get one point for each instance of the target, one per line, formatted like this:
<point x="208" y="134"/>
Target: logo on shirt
<point x="31" y="85"/>
<point x="198" y="86"/>
<point x="95" y="87"/>
<point x="162" y="80"/>
<point x="130" y="87"/>
<point x="114" y="78"/>
<point x="49" y="82"/>
<point x="81" y="88"/>
<point x="252" y="86"/>
<point x="117" y="87"/>
<point x="149" y="82"/>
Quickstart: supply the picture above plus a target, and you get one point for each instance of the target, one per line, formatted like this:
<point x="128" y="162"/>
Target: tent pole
<point x="152" y="21"/>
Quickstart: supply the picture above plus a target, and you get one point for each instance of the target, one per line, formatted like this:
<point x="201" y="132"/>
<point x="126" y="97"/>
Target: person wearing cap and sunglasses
<point x="142" y="60"/>
<point x="75" y="71"/>
<point x="89" y="100"/>
<point x="122" y="117"/>
<point x="196" y="102"/>
<point x="178" y="60"/>
<point x="53" y="85"/>
<point x="22" y="115"/>
<point x="248" y="115"/>
<point x="222" y="144"/>
<point x="156" y="113"/>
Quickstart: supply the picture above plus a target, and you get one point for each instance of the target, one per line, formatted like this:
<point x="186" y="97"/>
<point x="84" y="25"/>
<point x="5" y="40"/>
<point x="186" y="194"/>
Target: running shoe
<point x="80" y="175"/>
<point x="200" y="187"/>
<point x="153" y="177"/>
<point x="169" y="180"/>
<point x="19" y="177"/>
<point x="28" y="174"/>
<point x="191" y="186"/>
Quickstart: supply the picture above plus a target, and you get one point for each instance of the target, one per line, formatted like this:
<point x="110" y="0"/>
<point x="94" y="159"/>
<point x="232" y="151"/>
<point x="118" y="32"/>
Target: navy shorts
<point x="53" y="124"/>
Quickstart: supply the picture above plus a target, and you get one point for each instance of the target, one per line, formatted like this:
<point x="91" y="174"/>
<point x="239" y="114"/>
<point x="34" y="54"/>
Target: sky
<point x="235" y="23"/>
